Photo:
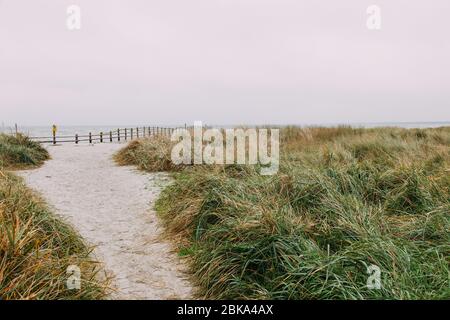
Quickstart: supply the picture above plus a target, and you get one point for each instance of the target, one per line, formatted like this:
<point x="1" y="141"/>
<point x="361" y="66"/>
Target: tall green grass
<point x="19" y="151"/>
<point x="35" y="246"/>
<point x="343" y="199"/>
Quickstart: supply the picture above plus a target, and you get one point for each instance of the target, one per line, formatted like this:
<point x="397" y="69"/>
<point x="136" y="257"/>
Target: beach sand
<point x="112" y="209"/>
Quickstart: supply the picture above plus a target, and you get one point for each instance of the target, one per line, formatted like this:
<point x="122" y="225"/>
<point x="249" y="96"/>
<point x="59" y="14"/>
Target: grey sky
<point x="223" y="62"/>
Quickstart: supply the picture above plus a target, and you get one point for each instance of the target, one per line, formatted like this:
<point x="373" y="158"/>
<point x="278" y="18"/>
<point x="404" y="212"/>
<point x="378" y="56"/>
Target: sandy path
<point x="111" y="207"/>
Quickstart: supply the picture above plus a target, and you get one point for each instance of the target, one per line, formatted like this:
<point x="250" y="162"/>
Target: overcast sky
<point x="224" y="62"/>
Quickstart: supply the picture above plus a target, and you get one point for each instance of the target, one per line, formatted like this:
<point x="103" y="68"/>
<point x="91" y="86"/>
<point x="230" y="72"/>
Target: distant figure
<point x="54" y="128"/>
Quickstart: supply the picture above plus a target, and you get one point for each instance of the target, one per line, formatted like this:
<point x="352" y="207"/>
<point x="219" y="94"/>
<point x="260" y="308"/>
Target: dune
<point x="112" y="209"/>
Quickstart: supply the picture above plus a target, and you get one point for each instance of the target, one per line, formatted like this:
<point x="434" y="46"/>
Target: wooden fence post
<point x="143" y="132"/>
<point x="101" y="137"/>
<point x="90" y="137"/>
<point x="54" y="137"/>
<point x="76" y="138"/>
<point x="118" y="134"/>
<point x="137" y="132"/>
<point x="110" y="136"/>
<point x="125" y="134"/>
<point x="131" y="133"/>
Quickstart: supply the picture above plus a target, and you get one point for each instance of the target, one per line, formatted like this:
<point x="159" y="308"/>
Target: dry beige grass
<point x="35" y="246"/>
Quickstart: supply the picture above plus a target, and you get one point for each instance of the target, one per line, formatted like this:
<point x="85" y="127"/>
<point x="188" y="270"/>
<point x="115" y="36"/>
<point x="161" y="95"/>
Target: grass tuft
<point x="151" y="154"/>
<point x="343" y="199"/>
<point x="36" y="247"/>
<point x="19" y="152"/>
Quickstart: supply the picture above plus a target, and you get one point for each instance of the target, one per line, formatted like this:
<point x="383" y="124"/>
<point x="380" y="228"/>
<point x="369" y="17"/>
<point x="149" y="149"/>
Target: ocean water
<point x="69" y="131"/>
<point x="46" y="131"/>
<point x="406" y="125"/>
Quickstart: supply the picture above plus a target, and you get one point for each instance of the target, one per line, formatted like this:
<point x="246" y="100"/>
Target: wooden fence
<point x="123" y="134"/>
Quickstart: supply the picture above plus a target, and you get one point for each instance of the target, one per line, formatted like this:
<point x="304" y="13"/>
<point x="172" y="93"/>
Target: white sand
<point x="111" y="207"/>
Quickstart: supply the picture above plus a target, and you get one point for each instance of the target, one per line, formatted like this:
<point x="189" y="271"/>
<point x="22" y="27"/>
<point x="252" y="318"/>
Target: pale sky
<point x="224" y="62"/>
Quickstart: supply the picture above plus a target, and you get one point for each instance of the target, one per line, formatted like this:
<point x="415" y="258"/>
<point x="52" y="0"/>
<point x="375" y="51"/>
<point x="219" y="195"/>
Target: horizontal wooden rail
<point x="117" y="135"/>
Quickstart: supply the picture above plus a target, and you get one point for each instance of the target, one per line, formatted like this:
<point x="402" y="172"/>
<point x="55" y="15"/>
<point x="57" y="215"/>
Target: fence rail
<point x="118" y="135"/>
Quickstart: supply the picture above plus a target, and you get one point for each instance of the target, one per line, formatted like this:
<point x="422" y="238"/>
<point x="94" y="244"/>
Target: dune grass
<point x="35" y="246"/>
<point x="343" y="199"/>
<point x="19" y="152"/>
<point x="154" y="156"/>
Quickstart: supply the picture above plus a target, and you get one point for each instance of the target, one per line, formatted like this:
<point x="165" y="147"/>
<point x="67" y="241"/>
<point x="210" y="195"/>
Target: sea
<point x="71" y="130"/>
